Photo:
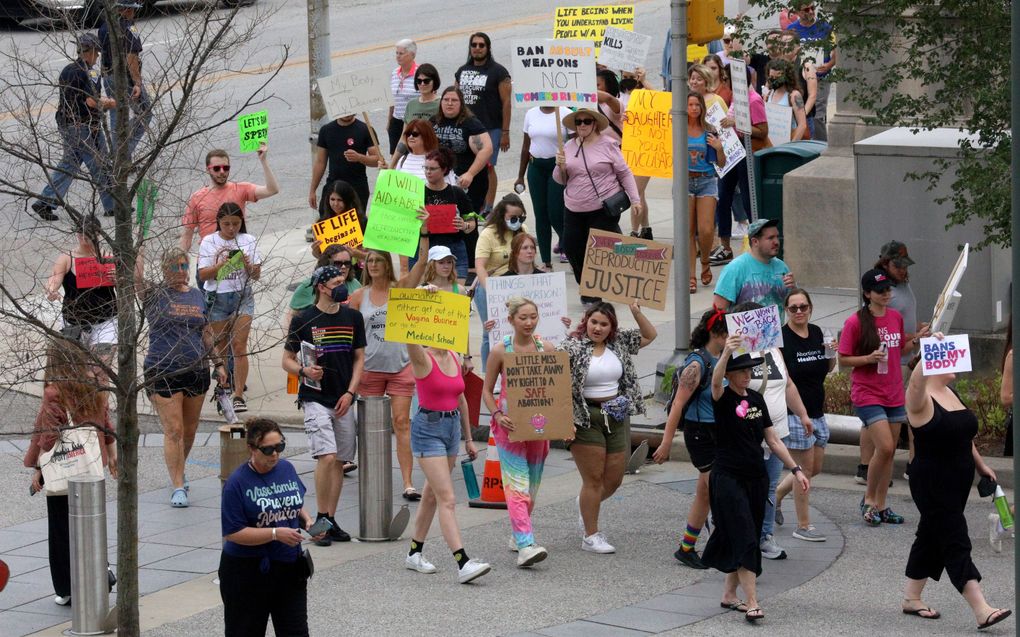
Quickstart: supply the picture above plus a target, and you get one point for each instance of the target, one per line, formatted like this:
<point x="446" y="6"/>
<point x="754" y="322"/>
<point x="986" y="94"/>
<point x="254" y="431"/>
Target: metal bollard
<point x="90" y="593"/>
<point x="375" y="469"/>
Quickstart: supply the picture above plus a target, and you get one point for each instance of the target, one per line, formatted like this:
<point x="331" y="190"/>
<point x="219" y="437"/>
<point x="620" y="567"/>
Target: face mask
<point x="628" y="84"/>
<point x="339" y="294"/>
<point x="514" y="225"/>
<point x="776" y="82"/>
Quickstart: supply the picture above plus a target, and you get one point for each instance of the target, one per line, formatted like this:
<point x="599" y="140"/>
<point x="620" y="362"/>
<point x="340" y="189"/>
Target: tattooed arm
<point x="799" y="115"/>
<point x="686" y="386"/>
<point x="481" y="146"/>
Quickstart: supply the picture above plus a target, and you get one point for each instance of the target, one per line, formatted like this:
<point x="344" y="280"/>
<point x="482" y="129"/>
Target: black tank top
<point x="89" y="306"/>
<point x="946" y="438"/>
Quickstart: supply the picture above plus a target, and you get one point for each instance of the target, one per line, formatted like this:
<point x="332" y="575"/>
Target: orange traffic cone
<point x="492" y="481"/>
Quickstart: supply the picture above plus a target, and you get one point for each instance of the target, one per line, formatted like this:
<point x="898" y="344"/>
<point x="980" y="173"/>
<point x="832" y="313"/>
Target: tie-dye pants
<point x="521" y="464"/>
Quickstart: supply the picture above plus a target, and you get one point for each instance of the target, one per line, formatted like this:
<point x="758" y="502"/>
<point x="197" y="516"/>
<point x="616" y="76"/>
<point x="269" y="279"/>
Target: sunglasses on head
<point x="516" y="218"/>
<point x="412" y="133"/>
<point x="269" y="450"/>
<point x="798" y="309"/>
<point x="587" y="121"/>
<point x="222" y="168"/>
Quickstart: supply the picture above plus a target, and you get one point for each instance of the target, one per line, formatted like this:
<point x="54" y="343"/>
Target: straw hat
<point x="601" y="122"/>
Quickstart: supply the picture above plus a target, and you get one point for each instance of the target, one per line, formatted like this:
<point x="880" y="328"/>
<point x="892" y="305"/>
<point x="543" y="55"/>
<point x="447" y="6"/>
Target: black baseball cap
<point x="876" y="280"/>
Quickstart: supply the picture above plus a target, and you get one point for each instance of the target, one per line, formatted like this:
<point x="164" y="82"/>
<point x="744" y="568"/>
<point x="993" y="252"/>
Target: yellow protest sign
<point x="648" y="134"/>
<point x="589" y="23"/>
<point x="343" y="229"/>
<point x="437" y="319"/>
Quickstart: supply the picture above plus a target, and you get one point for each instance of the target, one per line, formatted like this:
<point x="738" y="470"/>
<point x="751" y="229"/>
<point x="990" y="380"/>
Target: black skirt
<point x="738" y="510"/>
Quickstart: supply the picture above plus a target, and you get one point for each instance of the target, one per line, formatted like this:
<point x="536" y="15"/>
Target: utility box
<point x="770" y="166"/>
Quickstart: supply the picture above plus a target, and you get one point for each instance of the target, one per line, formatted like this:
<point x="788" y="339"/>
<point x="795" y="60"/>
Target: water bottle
<point x="883" y="365"/>
<point x="1002" y="506"/>
<point x="470" y="480"/>
<point x="226" y="404"/>
<point x="828" y="338"/>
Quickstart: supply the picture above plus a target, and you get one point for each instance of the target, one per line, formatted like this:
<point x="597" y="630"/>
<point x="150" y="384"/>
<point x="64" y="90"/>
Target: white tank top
<point x="604" y="373"/>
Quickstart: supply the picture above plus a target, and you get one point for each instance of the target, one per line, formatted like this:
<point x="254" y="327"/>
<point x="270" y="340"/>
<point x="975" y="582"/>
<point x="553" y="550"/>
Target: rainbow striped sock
<point x="690" y="538"/>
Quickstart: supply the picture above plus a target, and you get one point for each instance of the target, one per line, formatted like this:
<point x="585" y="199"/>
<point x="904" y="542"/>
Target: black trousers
<point x="727" y="188"/>
<point x="942" y="544"/>
<point x="394" y="130"/>
<point x="251" y="597"/>
<point x="575" y="234"/>
<point x="59" y="543"/>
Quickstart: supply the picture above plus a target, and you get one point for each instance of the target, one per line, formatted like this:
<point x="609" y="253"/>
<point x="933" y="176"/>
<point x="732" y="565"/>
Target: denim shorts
<point x="226" y="305"/>
<point x="870" y="414"/>
<point x="434" y="434"/>
<point x="798" y="438"/>
<point x="703" y="186"/>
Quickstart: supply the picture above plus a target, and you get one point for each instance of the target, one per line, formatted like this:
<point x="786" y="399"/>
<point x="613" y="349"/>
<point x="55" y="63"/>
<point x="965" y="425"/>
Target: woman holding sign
<point x="340" y="197"/>
<point x="873" y="343"/>
<point x="520" y="463"/>
<point x="941" y="475"/>
<point x="387" y="364"/>
<point x="704" y="149"/>
<point x="436" y="432"/>
<point x="606" y="392"/>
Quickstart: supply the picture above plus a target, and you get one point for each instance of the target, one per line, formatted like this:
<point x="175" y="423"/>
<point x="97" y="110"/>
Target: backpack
<point x="706" y="374"/>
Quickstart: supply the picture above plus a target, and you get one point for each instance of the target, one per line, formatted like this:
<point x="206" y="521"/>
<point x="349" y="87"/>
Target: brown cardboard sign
<point x="538" y="397"/>
<point x="626" y="269"/>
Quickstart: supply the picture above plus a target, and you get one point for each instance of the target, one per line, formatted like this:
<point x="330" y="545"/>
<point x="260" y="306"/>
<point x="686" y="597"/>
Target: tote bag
<point x="77" y="452"/>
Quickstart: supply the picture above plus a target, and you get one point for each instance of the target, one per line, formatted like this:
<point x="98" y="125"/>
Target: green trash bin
<point x="770" y="165"/>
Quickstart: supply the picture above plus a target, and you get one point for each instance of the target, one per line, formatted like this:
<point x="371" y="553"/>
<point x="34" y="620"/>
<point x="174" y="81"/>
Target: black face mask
<point x="628" y="84"/>
<point x="339" y="293"/>
<point x="776" y="82"/>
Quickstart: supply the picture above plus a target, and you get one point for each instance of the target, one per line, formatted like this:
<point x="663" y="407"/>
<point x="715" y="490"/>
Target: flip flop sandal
<point x="1003" y="614"/>
<point x="754" y="614"/>
<point x="934" y="614"/>
<point x="740" y="606"/>
<point x="411" y="494"/>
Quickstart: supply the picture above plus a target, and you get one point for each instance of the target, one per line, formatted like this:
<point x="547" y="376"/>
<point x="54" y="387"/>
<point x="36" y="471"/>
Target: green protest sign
<point x="253" y="129"/>
<point x="233" y="264"/>
<point x="393" y="223"/>
<point x="145" y="206"/>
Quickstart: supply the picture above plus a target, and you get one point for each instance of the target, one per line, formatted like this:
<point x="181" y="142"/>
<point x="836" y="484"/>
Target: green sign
<point x="233" y="264"/>
<point x="145" y="206"/>
<point x="253" y="130"/>
<point x="393" y="223"/>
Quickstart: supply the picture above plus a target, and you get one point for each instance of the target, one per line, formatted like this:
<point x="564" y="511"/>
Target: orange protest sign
<point x="343" y="229"/>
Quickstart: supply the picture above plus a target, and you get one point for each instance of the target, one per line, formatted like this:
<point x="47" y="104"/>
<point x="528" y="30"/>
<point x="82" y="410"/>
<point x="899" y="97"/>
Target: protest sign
<point x="741" y="100"/>
<point x="90" y="273"/>
<point x="441" y="218"/>
<point x="759" y="330"/>
<point x="344" y="229"/>
<point x="554" y="73"/>
<point x="253" y="129"/>
<point x="780" y="123"/>
<point x="648" y="134"/>
<point x="624" y="49"/>
<point x="393" y="223"/>
<point x="437" y="319"/>
<point x="626" y="269"/>
<point x="360" y="91"/>
<point x="548" y="291"/>
<point x="951" y="355"/>
<point x="145" y="206"/>
<point x="949" y="299"/>
<point x="538" y="397"/>
<point x="589" y="23"/>
<point x="234" y="264"/>
<point x="733" y="148"/>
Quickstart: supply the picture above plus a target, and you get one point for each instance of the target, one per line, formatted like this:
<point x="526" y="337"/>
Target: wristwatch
<point x="795" y="469"/>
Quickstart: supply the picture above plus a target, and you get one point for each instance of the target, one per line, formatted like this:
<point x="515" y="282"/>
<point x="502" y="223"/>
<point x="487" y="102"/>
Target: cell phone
<point x="234" y="252"/>
<point x="321" y="526"/>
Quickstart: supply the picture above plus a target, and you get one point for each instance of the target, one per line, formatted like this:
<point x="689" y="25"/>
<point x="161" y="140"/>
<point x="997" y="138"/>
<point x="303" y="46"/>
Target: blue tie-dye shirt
<point x="748" y="279"/>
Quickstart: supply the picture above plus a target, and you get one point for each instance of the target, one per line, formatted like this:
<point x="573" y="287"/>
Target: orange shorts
<point x="387" y="383"/>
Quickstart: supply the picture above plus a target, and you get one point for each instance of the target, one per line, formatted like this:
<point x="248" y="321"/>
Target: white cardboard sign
<point x="741" y="101"/>
<point x="733" y="148"/>
<point x="353" y="92"/>
<point x="554" y="73"/>
<point x="951" y="355"/>
<point x="548" y="291"/>
<point x="622" y="49"/>
<point x="780" y="123"/>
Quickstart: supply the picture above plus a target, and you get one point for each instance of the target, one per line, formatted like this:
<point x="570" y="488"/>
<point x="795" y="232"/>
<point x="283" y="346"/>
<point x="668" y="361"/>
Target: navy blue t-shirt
<point x="262" y="500"/>
<point x="176" y="320"/>
<point x="132" y="44"/>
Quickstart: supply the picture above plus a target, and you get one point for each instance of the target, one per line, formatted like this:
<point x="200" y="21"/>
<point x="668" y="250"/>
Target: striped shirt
<point x="403" y="90"/>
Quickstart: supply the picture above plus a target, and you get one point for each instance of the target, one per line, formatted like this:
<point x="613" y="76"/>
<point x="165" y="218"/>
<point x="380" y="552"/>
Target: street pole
<point x="681" y="251"/>
<point x="1014" y="71"/>
<point x="319" y="65"/>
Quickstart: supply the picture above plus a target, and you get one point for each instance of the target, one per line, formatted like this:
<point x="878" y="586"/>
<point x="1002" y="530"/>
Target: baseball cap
<point x="876" y="280"/>
<point x="437" y="253"/>
<point x="88" y="42"/>
<point x="755" y="228"/>
<point x="896" y="252"/>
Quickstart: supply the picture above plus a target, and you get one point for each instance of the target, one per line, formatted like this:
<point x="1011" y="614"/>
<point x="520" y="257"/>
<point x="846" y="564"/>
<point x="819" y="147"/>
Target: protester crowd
<point x="743" y="417"/>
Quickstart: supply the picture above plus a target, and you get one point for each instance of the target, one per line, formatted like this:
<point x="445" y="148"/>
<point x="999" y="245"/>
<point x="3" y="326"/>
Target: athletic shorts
<point x="612" y="435"/>
<point x="700" y="443"/>
<point x="191" y="383"/>
<point x="330" y="434"/>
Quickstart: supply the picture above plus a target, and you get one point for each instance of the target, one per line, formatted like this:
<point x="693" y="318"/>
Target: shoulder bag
<point x="77" y="452"/>
<point x="616" y="204"/>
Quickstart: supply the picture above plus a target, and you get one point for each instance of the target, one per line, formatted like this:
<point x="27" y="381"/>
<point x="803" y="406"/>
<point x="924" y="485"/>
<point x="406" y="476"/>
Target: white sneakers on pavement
<point x="531" y="555"/>
<point x="596" y="543"/>
<point x="471" y="571"/>
<point x="417" y="562"/>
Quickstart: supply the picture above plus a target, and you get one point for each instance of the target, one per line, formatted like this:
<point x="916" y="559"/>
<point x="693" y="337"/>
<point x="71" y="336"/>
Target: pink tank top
<point x="440" y="392"/>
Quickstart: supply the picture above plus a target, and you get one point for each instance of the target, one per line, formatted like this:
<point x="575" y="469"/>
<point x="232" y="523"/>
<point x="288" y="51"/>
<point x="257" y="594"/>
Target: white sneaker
<point x="417" y="562"/>
<point x="770" y="550"/>
<point x="596" y="543"/>
<point x="472" y="571"/>
<point x="62" y="601"/>
<point x="512" y="545"/>
<point x="531" y="555"/>
<point x="580" y="518"/>
<point x="740" y="229"/>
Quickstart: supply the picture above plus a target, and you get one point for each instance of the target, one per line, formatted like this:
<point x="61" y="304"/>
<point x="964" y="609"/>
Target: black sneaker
<point x="862" y="474"/>
<point x="724" y="255"/>
<point x="336" y="534"/>
<point x="690" y="559"/>
<point x="44" y="211"/>
<point x="646" y="233"/>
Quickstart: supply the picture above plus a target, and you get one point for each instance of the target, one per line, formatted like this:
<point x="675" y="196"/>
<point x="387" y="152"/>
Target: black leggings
<point x="251" y="597"/>
<point x="575" y="234"/>
<point x="59" y="542"/>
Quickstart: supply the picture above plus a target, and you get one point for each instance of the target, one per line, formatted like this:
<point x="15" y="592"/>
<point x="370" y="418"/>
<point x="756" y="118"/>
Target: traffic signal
<point x="703" y="24"/>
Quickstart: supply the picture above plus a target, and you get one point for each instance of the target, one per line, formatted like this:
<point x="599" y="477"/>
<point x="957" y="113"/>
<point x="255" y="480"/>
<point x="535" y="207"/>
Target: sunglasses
<point x="423" y="80"/>
<point x="809" y="8"/>
<point x="412" y="133"/>
<point x="799" y="309"/>
<point x="584" y="122"/>
<point x="516" y="218"/>
<point x="269" y="450"/>
<point x="223" y="168"/>
<point x="178" y="267"/>
<point x="478" y="45"/>
<point x="727" y="40"/>
<point x="342" y="264"/>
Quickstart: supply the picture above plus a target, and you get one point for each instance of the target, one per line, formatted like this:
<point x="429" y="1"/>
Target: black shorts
<point x="700" y="442"/>
<point x="193" y="383"/>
